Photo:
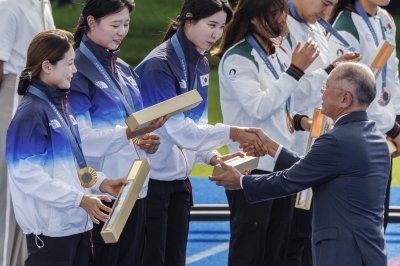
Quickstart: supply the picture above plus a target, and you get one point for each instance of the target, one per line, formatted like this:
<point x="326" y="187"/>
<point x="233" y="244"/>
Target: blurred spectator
<point x="20" y="20"/>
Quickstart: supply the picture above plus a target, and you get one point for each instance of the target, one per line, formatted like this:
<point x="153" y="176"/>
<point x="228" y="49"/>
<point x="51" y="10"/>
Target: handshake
<point x="254" y="141"/>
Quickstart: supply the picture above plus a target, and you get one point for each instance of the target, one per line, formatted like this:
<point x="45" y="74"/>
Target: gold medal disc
<point x="87" y="177"/>
<point x="289" y="122"/>
<point x="385" y="96"/>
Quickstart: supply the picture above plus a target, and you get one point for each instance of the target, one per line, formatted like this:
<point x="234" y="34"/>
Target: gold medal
<point x="289" y="122"/>
<point x="87" y="176"/>
<point x="385" y="96"/>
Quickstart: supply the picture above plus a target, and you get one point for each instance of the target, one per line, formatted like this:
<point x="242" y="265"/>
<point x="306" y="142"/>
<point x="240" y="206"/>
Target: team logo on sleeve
<point x="101" y="84"/>
<point x="73" y="120"/>
<point x="54" y="124"/>
<point x="204" y="80"/>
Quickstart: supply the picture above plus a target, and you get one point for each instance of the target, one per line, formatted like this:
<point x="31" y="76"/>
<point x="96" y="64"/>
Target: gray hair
<point x="361" y="80"/>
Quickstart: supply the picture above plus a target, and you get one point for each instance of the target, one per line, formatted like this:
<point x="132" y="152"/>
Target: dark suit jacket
<point x="348" y="169"/>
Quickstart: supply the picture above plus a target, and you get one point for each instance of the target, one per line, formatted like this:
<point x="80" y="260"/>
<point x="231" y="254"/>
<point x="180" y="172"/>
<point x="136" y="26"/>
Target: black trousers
<point x="167" y="223"/>
<point x="129" y="248"/>
<point x="387" y="199"/>
<point x="71" y="250"/>
<point x="259" y="231"/>
<point x="299" y="251"/>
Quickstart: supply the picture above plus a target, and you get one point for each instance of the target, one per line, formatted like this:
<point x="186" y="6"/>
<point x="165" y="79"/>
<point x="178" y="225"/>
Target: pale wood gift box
<point x="125" y="201"/>
<point x="173" y="106"/>
<point x="241" y="164"/>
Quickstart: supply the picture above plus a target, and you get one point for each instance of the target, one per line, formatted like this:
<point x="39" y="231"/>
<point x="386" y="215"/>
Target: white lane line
<point x="207" y="253"/>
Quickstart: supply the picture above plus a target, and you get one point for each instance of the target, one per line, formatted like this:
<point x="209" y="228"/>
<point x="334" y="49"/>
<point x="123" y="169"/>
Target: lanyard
<point x="179" y="52"/>
<point x="325" y="25"/>
<point x="334" y="32"/>
<point x="364" y="16"/>
<point x="76" y="148"/>
<point x="250" y="39"/>
<point x="127" y="101"/>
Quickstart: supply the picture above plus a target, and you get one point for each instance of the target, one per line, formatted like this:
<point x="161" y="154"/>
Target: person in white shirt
<point x="20" y="21"/>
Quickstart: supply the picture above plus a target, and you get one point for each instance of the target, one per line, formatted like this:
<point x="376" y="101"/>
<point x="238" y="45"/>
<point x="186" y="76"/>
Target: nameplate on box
<point x="125" y="201"/>
<point x="380" y="57"/>
<point x="173" y="106"/>
<point x="240" y="163"/>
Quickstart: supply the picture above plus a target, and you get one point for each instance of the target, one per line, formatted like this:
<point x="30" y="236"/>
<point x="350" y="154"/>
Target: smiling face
<point x="205" y="32"/>
<point x="312" y="10"/>
<point x="59" y="75"/>
<point x="111" y="30"/>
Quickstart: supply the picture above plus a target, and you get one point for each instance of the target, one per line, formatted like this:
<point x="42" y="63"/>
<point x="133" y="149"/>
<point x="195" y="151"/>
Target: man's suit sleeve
<point x="321" y="164"/>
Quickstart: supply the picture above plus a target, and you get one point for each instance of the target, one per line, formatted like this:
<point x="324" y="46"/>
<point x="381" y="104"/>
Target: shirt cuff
<point x="210" y="155"/>
<point x="241" y="184"/>
<point x="278" y="151"/>
<point x="100" y="178"/>
<point x="295" y="72"/>
<point x="394" y="132"/>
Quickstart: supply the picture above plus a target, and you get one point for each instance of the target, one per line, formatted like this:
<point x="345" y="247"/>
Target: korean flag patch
<point x="204" y="80"/>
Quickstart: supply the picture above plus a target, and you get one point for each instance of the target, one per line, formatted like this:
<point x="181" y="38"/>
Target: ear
<point x="347" y="100"/>
<point x="91" y="22"/>
<point x="47" y="66"/>
<point x="254" y="21"/>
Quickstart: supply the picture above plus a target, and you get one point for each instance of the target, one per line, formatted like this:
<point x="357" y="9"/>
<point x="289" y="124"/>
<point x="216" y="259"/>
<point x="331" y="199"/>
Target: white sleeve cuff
<point x="278" y="151"/>
<point x="100" y="178"/>
<point x="241" y="184"/>
<point x="79" y="198"/>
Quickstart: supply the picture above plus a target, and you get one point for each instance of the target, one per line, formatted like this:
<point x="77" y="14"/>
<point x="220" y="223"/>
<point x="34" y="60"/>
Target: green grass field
<point x="148" y="22"/>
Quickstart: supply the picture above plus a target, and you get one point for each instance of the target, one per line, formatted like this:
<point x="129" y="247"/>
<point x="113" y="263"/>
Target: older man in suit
<point x="347" y="167"/>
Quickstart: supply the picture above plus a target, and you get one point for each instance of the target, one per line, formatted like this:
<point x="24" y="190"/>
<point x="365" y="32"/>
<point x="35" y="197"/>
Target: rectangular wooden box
<point x="239" y="163"/>
<point x="173" y="106"/>
<point x="125" y="201"/>
<point x="380" y="57"/>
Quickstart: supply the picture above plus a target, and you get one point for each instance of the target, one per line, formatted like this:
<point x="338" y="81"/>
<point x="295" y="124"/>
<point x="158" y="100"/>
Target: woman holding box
<point x="257" y="80"/>
<point x="176" y="66"/>
<point x="103" y="94"/>
<point x="52" y="201"/>
<point x="363" y="25"/>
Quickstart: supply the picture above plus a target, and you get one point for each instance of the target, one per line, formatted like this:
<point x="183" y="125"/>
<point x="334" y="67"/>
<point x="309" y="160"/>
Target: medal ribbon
<point x="76" y="148"/>
<point x="179" y="52"/>
<point x="325" y="25"/>
<point x="250" y="39"/>
<point x="126" y="101"/>
<point x="364" y="16"/>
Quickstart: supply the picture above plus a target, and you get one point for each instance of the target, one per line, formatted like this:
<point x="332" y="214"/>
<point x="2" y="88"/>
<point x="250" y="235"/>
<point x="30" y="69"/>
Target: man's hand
<point x="93" y="206"/>
<point x="230" y="179"/>
<point x="112" y="186"/>
<point x="215" y="159"/>
<point x="243" y="136"/>
<point x="150" y="128"/>
<point x="269" y="144"/>
<point x="149" y="143"/>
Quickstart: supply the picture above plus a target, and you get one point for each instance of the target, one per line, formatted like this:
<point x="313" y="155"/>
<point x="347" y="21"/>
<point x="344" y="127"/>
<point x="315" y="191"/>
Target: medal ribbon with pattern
<point x="179" y="52"/>
<point x="87" y="175"/>
<point x="385" y="92"/>
<point x="250" y="39"/>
